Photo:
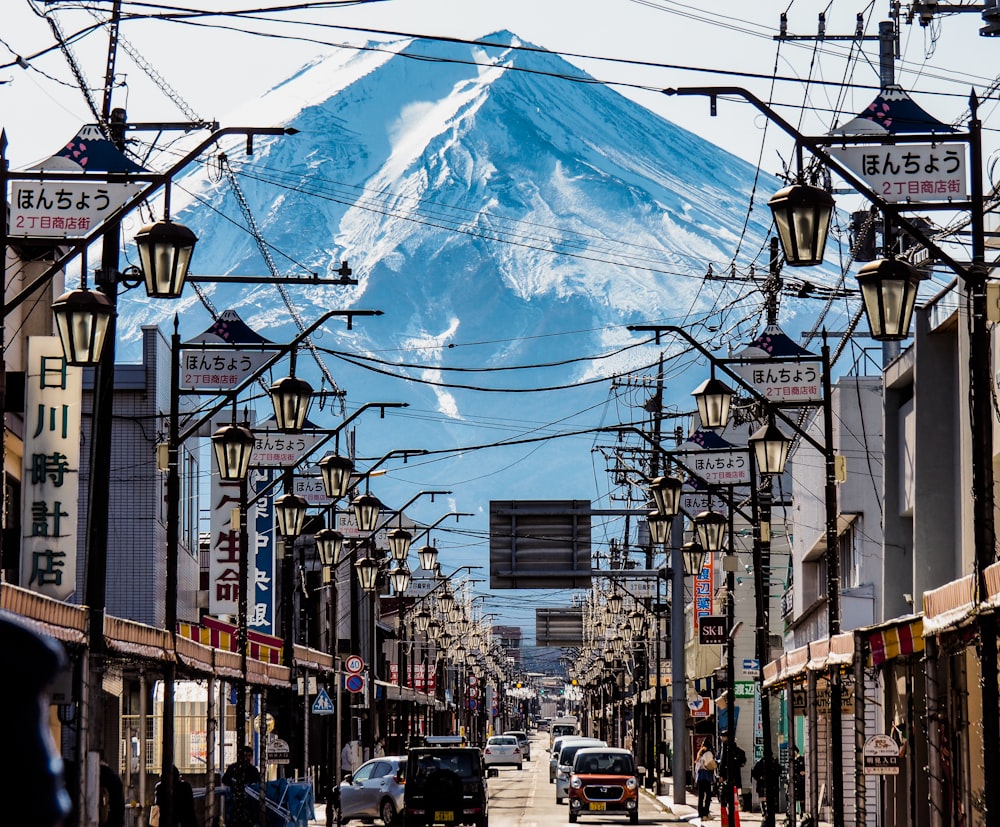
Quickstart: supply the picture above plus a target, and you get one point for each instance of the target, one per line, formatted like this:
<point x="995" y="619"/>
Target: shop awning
<point x="126" y="637"/>
<point x="312" y="659"/>
<point x="904" y="636"/>
<point x="63" y="621"/>
<point x="949" y="606"/>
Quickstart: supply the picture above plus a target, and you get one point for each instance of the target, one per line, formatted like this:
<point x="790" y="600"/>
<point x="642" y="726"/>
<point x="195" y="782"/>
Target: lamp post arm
<point x="399" y="511"/>
<point x="154" y="182"/>
<point x="818" y="148"/>
<point x="329" y="434"/>
<point x="456" y="514"/>
<point x="278" y="354"/>
<point x="724" y="367"/>
<point x="406" y="453"/>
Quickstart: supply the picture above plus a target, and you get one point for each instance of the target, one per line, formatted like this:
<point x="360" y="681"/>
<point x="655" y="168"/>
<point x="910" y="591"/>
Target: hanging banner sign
<point x="909" y="172"/>
<point x="204" y="369"/>
<point x="69" y="208"/>
<point x="51" y="469"/>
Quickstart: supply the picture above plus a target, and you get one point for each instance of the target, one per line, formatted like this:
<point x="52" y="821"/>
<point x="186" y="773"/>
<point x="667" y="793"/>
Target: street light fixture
<point x="770" y="447"/>
<point x="714" y="398"/>
<point x="399" y="544"/>
<point x="290" y="512"/>
<point x="399" y="577"/>
<point x="329" y="545"/>
<point x="366" y="510"/>
<point x="165" y="250"/>
<point x="694" y="556"/>
<point x="428" y="556"/>
<point x="802" y="215"/>
<point x="889" y="290"/>
<point x="291" y="397"/>
<point x="666" y="493"/>
<point x="615" y="601"/>
<point x="367" y="569"/>
<point x="82" y="320"/>
<point x="659" y="527"/>
<point x="233" y="445"/>
<point x="336" y="472"/>
<point x="711" y="529"/>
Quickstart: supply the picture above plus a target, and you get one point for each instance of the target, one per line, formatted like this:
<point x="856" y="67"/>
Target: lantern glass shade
<point x="434" y="629"/>
<point x="366" y="511"/>
<point x="714" y="399"/>
<point x="802" y="215"/>
<point x="770" y="448"/>
<point x="694" y="556"/>
<point x="82" y="321"/>
<point x="399" y="544"/>
<point x="666" y="493"/>
<point x="290" y="512"/>
<point x="291" y="398"/>
<point x="617" y="644"/>
<point x="455" y="614"/>
<point x="165" y="250"/>
<point x="659" y="528"/>
<point x="367" y="570"/>
<point x="637" y="621"/>
<point x="422" y="620"/>
<point x="446" y="600"/>
<point x="233" y="446"/>
<point x="711" y="529"/>
<point x="428" y="556"/>
<point x="399" y="577"/>
<point x="336" y="472"/>
<point x="329" y="545"/>
<point x="445" y="639"/>
<point x="889" y="291"/>
<point x="615" y="602"/>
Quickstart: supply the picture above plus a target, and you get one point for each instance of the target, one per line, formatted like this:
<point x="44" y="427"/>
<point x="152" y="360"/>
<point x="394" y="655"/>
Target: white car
<point x="523" y="742"/>
<point x="557" y="746"/>
<point x="502" y="751"/>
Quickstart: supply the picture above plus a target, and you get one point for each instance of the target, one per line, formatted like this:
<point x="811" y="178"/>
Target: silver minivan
<point x="564" y="764"/>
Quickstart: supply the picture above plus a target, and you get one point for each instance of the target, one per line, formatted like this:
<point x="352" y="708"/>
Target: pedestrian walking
<point x="182" y="801"/>
<point x="730" y="752"/>
<point x="761" y="775"/>
<point x="241" y="809"/>
<point x="705" y="765"/>
<point x="799" y="778"/>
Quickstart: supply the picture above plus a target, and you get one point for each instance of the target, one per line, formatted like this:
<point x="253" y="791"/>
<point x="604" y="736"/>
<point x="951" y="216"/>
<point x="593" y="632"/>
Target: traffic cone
<point x="736" y="811"/>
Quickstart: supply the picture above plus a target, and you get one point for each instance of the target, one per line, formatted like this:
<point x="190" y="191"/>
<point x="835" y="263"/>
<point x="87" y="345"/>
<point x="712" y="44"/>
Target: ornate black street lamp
<point x="802" y="215"/>
<point x="889" y="289"/>
<point x="233" y="446"/>
<point x="713" y="398"/>
<point x="770" y="447"/>
<point x="336" y="473"/>
<point x="165" y="250"/>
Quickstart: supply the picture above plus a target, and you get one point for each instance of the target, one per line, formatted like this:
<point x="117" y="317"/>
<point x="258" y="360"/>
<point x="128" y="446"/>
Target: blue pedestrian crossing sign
<point x="323" y="705"/>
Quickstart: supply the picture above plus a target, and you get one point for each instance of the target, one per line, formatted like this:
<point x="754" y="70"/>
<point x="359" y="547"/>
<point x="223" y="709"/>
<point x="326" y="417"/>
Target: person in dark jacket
<point x="183" y="801"/>
<point x="730" y="752"/>
<point x="242" y="810"/>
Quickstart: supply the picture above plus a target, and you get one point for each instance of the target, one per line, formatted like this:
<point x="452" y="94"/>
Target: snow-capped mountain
<point x="501" y="216"/>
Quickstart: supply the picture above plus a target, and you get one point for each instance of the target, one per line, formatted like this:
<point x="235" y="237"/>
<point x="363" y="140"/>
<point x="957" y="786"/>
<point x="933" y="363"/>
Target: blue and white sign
<point x="323" y="705"/>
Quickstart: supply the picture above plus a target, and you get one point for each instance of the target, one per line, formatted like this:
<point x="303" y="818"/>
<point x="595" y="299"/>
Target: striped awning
<point x="896" y="641"/>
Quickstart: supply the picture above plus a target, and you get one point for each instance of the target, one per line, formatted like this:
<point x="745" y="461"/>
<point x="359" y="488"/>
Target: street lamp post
<point x="887" y="301"/>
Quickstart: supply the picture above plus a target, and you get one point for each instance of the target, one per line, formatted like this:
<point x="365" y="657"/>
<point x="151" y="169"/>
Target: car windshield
<point x="612" y="763"/>
<point x="503" y="741"/>
<point x="460" y="763"/>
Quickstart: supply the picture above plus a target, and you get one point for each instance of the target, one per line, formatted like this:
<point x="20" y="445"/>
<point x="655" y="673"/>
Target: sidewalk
<point x="688" y="811"/>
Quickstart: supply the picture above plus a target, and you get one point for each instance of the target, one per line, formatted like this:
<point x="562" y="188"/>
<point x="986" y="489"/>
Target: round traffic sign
<point x="354" y="683"/>
<point x="354" y="664"/>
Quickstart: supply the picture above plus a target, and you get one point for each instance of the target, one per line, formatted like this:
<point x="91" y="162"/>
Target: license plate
<point x="444" y="815"/>
<point x="597" y="805"/>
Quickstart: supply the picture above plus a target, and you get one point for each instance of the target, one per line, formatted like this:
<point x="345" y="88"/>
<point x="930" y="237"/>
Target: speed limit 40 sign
<point x="354" y="664"/>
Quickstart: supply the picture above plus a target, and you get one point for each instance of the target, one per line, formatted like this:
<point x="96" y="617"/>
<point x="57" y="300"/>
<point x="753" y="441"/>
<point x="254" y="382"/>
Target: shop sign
<point x="909" y="172"/>
<point x="881" y="755"/>
<point x="51" y="469"/>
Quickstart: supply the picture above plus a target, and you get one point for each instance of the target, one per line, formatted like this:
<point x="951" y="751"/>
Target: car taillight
<point x="486" y="751"/>
<point x="516" y="750"/>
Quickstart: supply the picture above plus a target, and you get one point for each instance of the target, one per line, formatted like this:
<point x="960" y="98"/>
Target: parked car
<point x="557" y="746"/>
<point x="374" y="791"/>
<point x="522" y="742"/>
<point x="603" y="780"/>
<point x="503" y="751"/>
<point x="445" y="785"/>
<point x="564" y="763"/>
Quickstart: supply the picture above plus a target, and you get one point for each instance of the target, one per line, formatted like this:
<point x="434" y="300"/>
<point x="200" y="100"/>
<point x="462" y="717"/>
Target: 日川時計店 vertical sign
<point x="909" y="172"/>
<point x="51" y="469"/>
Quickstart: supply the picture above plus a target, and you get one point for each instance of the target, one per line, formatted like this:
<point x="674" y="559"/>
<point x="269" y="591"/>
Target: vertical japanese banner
<point x="262" y="540"/>
<point x="224" y="557"/>
<point x="704" y="590"/>
<point x="51" y="471"/>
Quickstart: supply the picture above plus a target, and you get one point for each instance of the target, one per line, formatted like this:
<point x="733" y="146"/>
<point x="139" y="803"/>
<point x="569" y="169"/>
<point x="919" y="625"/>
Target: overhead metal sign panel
<point x="540" y="544"/>
<point x="559" y="627"/>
